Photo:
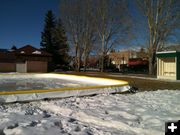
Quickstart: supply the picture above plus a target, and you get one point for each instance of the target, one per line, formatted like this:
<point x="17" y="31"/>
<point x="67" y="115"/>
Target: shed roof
<point x="168" y="54"/>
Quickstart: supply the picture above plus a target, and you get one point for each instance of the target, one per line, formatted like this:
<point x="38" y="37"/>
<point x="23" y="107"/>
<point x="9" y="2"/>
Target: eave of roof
<point x="168" y="54"/>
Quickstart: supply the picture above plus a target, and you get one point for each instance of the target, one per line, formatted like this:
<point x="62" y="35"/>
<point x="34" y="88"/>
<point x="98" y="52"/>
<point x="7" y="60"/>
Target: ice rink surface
<point x="31" y="83"/>
<point x="30" y="87"/>
<point x="47" y="81"/>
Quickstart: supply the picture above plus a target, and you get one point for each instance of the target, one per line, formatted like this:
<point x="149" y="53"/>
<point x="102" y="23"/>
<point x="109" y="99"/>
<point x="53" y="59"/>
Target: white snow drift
<point x="142" y="113"/>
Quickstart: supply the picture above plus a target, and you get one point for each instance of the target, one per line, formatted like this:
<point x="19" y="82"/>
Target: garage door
<point x="21" y="67"/>
<point x="36" y="66"/>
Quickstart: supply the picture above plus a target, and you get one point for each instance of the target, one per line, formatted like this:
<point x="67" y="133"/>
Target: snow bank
<point x="142" y="113"/>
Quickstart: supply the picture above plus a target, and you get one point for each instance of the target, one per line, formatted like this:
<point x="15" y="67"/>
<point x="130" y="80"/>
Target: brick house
<point x="25" y="59"/>
<point x="122" y="57"/>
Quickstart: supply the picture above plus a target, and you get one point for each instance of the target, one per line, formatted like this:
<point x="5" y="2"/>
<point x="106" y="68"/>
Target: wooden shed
<point x="168" y="65"/>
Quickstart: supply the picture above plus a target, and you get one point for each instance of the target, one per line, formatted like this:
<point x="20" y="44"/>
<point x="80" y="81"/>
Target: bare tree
<point x="89" y="21"/>
<point x="111" y="24"/>
<point x="89" y="29"/>
<point x="70" y="13"/>
<point x="78" y="19"/>
<point x="160" y="23"/>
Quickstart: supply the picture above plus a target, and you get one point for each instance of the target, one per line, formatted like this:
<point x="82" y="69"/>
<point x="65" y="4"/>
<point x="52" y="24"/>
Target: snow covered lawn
<point x="143" y="113"/>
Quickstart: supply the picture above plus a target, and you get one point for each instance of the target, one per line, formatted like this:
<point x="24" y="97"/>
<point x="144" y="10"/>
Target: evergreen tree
<point x="13" y="47"/>
<point x="48" y="37"/>
<point x="54" y="41"/>
<point x="61" y="44"/>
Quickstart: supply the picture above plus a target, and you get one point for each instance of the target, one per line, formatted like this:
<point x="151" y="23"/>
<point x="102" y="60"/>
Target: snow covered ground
<point x="134" y="76"/>
<point x="143" y="113"/>
<point x="146" y="78"/>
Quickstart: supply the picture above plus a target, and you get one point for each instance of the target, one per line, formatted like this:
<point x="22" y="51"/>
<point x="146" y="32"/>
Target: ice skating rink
<point x="39" y="86"/>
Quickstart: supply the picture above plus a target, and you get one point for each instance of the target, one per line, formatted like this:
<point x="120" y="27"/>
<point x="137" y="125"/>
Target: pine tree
<point x="61" y="44"/>
<point x="48" y="37"/>
<point x="13" y="47"/>
<point x="54" y="41"/>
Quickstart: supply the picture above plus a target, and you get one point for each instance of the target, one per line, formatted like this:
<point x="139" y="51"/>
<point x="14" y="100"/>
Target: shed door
<point x="21" y="67"/>
<point x="169" y="67"/>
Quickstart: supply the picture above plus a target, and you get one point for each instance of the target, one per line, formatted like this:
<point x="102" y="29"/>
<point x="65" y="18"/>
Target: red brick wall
<point x="36" y="66"/>
<point x="7" y="67"/>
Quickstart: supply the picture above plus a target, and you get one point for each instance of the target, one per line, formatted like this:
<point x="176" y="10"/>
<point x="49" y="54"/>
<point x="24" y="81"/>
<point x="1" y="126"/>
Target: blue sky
<point x="22" y="21"/>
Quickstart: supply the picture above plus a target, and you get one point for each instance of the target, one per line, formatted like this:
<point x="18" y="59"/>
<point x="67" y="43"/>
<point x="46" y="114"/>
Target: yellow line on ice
<point x="62" y="89"/>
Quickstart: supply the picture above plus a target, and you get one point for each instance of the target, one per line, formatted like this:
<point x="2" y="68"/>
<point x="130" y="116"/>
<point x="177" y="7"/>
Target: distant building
<point x="122" y="57"/>
<point x="25" y="59"/>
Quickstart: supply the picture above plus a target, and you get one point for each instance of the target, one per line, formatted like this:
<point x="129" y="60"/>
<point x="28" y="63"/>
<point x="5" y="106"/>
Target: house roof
<point x="7" y="56"/>
<point x="30" y="50"/>
<point x="3" y="50"/>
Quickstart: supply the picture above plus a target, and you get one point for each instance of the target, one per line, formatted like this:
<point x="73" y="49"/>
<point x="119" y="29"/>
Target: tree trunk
<point x="76" y="60"/>
<point x="75" y="63"/>
<point x="102" y="63"/>
<point x="150" y="66"/>
<point x="85" y="62"/>
<point x="79" y="61"/>
<point x="103" y="55"/>
<point x="152" y="63"/>
<point x="79" y="64"/>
